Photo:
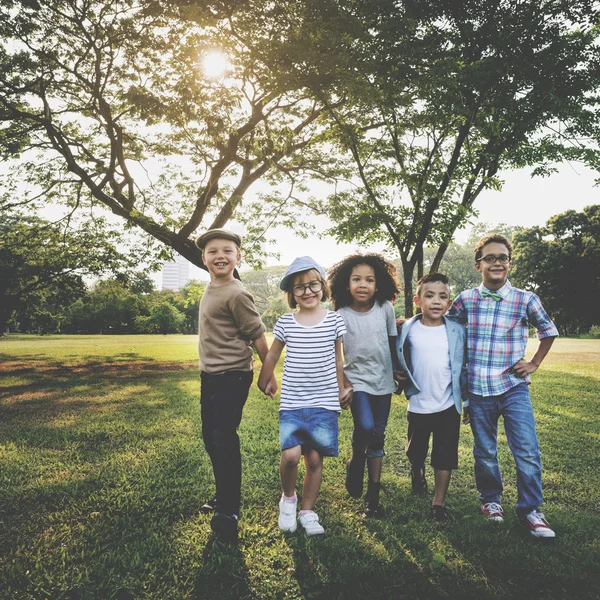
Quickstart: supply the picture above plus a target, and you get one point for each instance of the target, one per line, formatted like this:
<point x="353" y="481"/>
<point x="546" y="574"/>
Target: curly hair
<point x="386" y="278"/>
<point x="491" y="239"/>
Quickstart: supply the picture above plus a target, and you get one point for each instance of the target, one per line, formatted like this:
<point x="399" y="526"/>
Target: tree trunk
<point x="407" y="273"/>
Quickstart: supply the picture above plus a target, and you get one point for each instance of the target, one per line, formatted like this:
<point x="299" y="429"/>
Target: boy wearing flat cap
<point x="228" y="325"/>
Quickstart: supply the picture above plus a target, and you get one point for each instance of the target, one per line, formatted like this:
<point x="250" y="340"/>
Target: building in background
<point x="175" y="274"/>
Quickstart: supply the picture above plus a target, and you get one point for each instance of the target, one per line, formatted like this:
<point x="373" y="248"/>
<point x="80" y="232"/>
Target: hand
<point x="271" y="387"/>
<point x="466" y="418"/>
<point x="399" y="322"/>
<point x="523" y="368"/>
<point x="401" y="380"/>
<point x="345" y="397"/>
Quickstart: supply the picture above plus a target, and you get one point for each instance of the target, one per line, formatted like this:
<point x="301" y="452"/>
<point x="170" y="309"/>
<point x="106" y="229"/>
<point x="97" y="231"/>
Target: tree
<point x="105" y="104"/>
<point x="39" y="258"/>
<point x="163" y="318"/>
<point x="561" y="263"/>
<point x="108" y="307"/>
<point x="440" y="97"/>
<point x="263" y="284"/>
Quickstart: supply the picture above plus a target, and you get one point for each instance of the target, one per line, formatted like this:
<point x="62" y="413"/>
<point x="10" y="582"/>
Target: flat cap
<point x="302" y="263"/>
<point x="223" y="234"/>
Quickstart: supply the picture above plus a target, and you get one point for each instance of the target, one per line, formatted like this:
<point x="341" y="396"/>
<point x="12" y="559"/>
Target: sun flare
<point x="215" y="64"/>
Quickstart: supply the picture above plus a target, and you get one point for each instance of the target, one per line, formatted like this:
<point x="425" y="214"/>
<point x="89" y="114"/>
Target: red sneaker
<point x="537" y="526"/>
<point x="492" y="511"/>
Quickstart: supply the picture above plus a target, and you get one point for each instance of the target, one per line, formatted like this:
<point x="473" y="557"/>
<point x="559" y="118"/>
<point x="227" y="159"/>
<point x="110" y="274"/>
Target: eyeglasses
<point x="314" y="286"/>
<point x="490" y="259"/>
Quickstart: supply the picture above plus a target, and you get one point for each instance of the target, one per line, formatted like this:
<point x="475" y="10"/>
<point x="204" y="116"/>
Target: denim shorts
<point x="311" y="428"/>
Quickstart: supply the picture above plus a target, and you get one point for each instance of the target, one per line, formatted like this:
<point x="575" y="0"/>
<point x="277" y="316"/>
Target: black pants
<point x="222" y="399"/>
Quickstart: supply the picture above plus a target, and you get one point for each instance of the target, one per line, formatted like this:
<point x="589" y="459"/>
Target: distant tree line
<point x="43" y="289"/>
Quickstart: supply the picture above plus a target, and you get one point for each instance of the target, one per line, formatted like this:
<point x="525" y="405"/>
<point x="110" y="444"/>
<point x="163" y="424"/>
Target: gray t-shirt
<point x="367" y="356"/>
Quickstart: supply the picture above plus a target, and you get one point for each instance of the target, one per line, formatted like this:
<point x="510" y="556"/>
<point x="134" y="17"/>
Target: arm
<point x="345" y="393"/>
<point x="266" y="379"/>
<point x="526" y="367"/>
<point x="260" y="343"/>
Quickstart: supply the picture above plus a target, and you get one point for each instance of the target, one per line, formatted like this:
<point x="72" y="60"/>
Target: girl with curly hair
<point x="363" y="288"/>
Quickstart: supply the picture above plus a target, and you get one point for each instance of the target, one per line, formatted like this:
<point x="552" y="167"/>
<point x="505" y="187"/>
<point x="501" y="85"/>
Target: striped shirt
<point x="497" y="333"/>
<point x="309" y="374"/>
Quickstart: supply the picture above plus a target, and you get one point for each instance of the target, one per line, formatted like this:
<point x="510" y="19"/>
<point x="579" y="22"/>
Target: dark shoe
<point x="372" y="500"/>
<point x="209" y="506"/>
<point x="355" y="473"/>
<point x="439" y="514"/>
<point x="225" y="526"/>
<point x="419" y="483"/>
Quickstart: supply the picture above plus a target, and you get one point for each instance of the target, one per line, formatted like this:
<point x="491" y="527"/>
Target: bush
<point x="594" y="332"/>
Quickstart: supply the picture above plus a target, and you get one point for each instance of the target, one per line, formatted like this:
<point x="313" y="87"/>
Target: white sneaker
<point x="310" y="522"/>
<point x="287" y="515"/>
<point x="537" y="526"/>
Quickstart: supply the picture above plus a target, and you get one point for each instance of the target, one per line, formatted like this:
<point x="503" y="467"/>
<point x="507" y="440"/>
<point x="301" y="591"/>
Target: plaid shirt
<point x="497" y="333"/>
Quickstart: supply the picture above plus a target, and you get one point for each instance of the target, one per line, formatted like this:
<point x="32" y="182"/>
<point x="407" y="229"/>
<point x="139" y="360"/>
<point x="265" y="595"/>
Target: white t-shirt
<point x="309" y="376"/>
<point x="430" y="360"/>
<point x="367" y="356"/>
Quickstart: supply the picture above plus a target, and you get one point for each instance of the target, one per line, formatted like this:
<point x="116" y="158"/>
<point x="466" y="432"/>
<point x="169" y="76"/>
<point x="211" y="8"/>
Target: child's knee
<point x="290" y="458"/>
<point x="313" y="460"/>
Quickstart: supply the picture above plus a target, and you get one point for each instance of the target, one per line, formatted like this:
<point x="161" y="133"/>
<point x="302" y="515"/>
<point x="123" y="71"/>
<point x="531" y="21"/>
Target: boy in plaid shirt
<point x="497" y="316"/>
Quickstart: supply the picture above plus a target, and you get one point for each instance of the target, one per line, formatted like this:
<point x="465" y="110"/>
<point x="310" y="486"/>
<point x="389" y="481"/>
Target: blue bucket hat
<point x="302" y="263"/>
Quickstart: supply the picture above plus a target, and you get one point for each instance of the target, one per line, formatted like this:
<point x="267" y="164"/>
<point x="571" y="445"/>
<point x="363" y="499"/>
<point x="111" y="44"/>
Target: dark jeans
<point x="222" y="399"/>
<point x="370" y="414"/>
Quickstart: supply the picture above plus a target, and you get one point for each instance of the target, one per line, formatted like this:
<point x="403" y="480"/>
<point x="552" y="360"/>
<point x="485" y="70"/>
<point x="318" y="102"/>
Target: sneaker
<point x="287" y="515"/>
<point x="537" y="525"/>
<point x="310" y="523"/>
<point x="225" y="526"/>
<point x="209" y="506"/>
<point x="418" y="481"/>
<point x="439" y="514"/>
<point x="492" y="511"/>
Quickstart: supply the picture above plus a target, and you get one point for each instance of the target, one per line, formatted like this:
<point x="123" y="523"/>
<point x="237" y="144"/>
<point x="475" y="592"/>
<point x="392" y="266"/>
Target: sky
<point x="524" y="201"/>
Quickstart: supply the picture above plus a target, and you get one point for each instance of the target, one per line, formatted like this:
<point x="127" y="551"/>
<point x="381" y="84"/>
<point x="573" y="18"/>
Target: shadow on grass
<point x="104" y="474"/>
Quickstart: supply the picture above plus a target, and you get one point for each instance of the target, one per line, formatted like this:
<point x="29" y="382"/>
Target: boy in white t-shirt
<point x="432" y="351"/>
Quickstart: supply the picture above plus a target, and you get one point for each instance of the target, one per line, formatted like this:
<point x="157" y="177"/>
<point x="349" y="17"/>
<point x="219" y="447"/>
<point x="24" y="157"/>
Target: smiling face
<point x="493" y="275"/>
<point x="221" y="257"/>
<point x="307" y="299"/>
<point x="363" y="285"/>
<point x="434" y="300"/>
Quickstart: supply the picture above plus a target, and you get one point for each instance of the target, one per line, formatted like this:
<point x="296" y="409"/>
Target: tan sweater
<point x="227" y="324"/>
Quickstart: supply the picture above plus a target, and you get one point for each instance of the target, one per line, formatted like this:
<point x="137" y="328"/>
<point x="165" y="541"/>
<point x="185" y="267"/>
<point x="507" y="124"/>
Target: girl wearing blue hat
<point x="312" y="389"/>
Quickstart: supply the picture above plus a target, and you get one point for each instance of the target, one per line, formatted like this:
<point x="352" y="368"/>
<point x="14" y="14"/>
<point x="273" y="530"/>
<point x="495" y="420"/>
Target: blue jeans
<point x="515" y="407"/>
<point x="222" y="399"/>
<point x="370" y="414"/>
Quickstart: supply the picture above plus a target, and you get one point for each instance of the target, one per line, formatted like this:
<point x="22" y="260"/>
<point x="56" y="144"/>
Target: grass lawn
<point x="103" y="472"/>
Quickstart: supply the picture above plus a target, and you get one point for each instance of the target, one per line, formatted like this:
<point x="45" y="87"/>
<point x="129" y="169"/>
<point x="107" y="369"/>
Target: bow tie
<point x="487" y="294"/>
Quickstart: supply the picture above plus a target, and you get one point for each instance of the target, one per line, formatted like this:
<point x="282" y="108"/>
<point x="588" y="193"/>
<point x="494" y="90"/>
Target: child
<point x="228" y="323"/>
<point x="363" y="289"/>
<point x="312" y="389"/>
<point x="432" y="352"/>
<point x="498" y="317"/>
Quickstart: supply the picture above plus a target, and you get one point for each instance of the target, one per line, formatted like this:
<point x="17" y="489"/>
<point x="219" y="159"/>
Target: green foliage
<point x="594" y="332"/>
<point x="104" y="472"/>
<point x="107" y="103"/>
<point x="439" y="97"/>
<point x="163" y="318"/>
<point x="277" y="306"/>
<point x="560" y="262"/>
<point x="42" y="265"/>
